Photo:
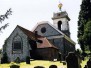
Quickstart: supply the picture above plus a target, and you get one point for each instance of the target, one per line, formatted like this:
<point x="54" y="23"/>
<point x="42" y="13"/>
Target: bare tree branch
<point x="3" y="17"/>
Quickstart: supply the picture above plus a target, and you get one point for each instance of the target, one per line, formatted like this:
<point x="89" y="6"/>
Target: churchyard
<point x="69" y="63"/>
<point x="45" y="64"/>
<point x="32" y="64"/>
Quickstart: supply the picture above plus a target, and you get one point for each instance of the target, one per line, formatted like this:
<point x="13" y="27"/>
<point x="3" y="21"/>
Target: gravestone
<point x="27" y="60"/>
<point x="52" y="66"/>
<point x="72" y="61"/>
<point x="89" y="63"/>
<point x="77" y="52"/>
<point x="59" y="57"/>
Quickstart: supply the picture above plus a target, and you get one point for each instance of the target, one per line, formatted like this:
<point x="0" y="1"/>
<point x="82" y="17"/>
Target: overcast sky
<point x="27" y="13"/>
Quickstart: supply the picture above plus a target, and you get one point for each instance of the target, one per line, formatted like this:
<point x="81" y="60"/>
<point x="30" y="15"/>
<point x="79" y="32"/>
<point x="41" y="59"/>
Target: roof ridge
<point x="29" y="33"/>
<point x="23" y="28"/>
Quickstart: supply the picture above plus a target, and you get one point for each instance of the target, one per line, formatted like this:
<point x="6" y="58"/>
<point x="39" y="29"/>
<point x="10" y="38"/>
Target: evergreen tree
<point x="0" y="51"/>
<point x="3" y="17"/>
<point x="87" y="35"/>
<point x="84" y="17"/>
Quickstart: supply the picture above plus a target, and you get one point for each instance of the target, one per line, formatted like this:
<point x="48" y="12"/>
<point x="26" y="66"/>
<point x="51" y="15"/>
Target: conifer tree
<point x="87" y="35"/>
<point x="84" y="17"/>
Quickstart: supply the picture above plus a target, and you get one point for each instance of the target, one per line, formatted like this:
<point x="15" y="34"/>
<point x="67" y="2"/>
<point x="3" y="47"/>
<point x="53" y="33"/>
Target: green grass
<point x="46" y="64"/>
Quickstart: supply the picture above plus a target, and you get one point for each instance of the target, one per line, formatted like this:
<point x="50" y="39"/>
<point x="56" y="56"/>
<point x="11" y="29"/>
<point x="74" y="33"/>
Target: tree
<point x="84" y="17"/>
<point x="3" y="17"/>
<point x="87" y="35"/>
<point x="0" y="51"/>
<point x="4" y="46"/>
<point x="4" y="59"/>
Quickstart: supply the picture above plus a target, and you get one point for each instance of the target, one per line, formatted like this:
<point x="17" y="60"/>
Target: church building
<point x="46" y="42"/>
<point x="23" y="43"/>
<point x="58" y="33"/>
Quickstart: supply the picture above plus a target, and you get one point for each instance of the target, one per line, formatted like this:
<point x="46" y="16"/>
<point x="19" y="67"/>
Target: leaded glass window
<point x="17" y="44"/>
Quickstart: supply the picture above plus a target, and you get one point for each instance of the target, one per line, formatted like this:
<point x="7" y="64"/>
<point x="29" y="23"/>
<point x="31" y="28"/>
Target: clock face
<point x="43" y="29"/>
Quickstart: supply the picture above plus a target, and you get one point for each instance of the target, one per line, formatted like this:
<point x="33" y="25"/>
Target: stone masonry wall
<point x="25" y="51"/>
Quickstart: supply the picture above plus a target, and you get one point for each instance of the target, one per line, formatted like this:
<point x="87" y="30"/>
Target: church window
<point x="59" y="25"/>
<point x="17" y="44"/>
<point x="43" y="30"/>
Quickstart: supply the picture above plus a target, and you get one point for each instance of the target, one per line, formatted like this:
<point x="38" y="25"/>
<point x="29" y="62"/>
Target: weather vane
<point x="60" y="6"/>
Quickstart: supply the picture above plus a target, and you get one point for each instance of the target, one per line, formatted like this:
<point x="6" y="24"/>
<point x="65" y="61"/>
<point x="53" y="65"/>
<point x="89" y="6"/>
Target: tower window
<point x="59" y="25"/>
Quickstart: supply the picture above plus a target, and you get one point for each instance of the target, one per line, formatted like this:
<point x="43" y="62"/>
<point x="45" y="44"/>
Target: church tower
<point x="60" y="21"/>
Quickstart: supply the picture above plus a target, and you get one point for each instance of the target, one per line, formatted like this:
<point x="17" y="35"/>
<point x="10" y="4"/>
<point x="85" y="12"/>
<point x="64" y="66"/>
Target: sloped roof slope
<point x="45" y="43"/>
<point x="65" y="36"/>
<point x="29" y="33"/>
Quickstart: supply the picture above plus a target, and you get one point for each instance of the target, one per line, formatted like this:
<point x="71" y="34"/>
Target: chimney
<point x="36" y="33"/>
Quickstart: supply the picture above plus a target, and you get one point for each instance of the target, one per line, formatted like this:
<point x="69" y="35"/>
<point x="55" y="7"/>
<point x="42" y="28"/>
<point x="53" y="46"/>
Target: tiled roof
<point x="45" y="44"/>
<point x="29" y="33"/>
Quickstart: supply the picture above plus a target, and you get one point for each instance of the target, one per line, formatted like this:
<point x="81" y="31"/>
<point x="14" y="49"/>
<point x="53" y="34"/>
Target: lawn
<point x="46" y="64"/>
<point x="34" y="63"/>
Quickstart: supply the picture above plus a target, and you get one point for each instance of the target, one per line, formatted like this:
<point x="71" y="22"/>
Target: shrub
<point x="17" y="60"/>
<point x="14" y="66"/>
<point x="4" y="59"/>
<point x="52" y="66"/>
<point x="84" y="54"/>
<point x="39" y="67"/>
<point x="64" y="63"/>
<point x="27" y="60"/>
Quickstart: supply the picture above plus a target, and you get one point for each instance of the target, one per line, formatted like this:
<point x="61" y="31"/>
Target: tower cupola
<point x="60" y="21"/>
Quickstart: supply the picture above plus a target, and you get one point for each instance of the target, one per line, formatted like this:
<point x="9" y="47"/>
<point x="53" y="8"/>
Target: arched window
<point x="17" y="44"/>
<point x="59" y="25"/>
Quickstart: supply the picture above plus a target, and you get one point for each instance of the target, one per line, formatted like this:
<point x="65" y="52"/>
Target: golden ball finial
<point x="60" y="6"/>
